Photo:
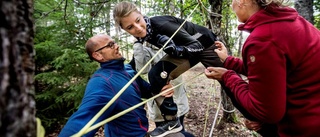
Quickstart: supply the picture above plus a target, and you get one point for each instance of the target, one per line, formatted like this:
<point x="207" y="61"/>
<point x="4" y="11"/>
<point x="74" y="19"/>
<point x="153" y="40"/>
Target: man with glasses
<point x="104" y="84"/>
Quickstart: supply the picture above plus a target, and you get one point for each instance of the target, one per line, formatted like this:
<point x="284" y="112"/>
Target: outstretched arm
<point x="185" y="45"/>
<point x="230" y="62"/>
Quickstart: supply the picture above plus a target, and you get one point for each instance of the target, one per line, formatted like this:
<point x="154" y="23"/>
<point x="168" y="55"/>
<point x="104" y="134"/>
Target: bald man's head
<point x="93" y="43"/>
<point x="103" y="48"/>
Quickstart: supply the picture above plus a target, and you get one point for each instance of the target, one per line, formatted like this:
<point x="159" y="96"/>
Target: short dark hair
<point x="90" y="44"/>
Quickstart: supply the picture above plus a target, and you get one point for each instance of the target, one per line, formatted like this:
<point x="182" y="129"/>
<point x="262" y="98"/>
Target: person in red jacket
<point x="281" y="60"/>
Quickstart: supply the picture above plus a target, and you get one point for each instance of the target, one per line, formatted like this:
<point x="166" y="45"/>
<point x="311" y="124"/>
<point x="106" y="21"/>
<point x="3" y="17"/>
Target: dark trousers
<point x="175" y="67"/>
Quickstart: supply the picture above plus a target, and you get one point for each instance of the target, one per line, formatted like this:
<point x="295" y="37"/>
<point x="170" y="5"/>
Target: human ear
<point x="97" y="56"/>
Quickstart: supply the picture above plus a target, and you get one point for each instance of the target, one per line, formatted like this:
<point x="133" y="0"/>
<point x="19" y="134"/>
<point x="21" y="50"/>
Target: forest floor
<point x="204" y="98"/>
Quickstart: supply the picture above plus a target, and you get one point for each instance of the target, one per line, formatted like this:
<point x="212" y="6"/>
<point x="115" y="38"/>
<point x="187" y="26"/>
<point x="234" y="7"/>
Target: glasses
<point x="109" y="45"/>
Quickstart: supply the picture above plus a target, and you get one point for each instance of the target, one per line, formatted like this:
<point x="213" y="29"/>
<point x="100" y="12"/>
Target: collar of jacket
<point x="113" y="64"/>
<point x="269" y="15"/>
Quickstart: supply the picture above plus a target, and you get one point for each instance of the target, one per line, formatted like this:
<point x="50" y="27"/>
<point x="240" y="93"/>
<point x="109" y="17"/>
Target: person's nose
<point x="138" y="28"/>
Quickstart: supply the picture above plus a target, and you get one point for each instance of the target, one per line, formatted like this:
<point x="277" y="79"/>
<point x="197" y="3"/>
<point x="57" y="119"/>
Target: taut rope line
<point x="135" y="106"/>
<point x="86" y="127"/>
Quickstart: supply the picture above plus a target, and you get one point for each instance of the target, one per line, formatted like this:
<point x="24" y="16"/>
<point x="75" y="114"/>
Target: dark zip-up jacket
<point x="192" y="36"/>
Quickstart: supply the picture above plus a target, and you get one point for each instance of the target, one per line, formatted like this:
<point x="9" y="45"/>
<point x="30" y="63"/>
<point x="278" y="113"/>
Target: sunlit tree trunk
<point x="216" y="19"/>
<point x="17" y="105"/>
<point x="305" y="9"/>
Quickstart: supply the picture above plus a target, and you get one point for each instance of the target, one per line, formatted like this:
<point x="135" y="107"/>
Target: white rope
<point x="216" y="115"/>
<point x="229" y="111"/>
<point x="215" y="118"/>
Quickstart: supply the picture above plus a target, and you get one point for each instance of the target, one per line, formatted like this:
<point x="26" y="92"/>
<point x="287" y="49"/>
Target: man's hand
<point x="169" y="93"/>
<point x="221" y="50"/>
<point x="215" y="72"/>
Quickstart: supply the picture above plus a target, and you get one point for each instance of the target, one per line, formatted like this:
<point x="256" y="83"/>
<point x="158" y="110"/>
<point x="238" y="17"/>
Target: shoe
<point x="168" y="127"/>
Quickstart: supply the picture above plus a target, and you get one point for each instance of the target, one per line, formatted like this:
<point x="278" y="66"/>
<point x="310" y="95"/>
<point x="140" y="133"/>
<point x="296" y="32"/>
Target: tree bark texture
<point x="17" y="103"/>
<point x="216" y="19"/>
<point x="305" y="9"/>
<point x="215" y="16"/>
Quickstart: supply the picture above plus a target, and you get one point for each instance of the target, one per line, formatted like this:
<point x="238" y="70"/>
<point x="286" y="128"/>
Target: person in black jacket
<point x="190" y="45"/>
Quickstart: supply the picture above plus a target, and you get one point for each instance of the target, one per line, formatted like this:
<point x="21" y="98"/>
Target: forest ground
<point x="202" y="92"/>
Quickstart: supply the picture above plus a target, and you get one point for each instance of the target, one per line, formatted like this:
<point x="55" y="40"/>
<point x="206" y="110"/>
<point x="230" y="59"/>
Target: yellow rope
<point x="86" y="127"/>
<point x="40" y="129"/>
<point x="135" y="106"/>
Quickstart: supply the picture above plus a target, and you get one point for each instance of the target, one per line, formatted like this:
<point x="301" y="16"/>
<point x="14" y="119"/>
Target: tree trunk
<point x="181" y="9"/>
<point x="17" y="105"/>
<point x="305" y="9"/>
<point x="216" y="8"/>
<point x="215" y="16"/>
<point x="240" y="43"/>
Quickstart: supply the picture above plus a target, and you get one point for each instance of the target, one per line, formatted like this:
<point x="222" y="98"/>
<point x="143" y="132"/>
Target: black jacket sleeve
<point x="182" y="37"/>
<point x="167" y="25"/>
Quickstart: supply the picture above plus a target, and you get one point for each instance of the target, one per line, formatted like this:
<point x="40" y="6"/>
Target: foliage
<point x="317" y="13"/>
<point x="62" y="67"/>
<point x="62" y="27"/>
<point x="229" y="27"/>
<point x="63" y="86"/>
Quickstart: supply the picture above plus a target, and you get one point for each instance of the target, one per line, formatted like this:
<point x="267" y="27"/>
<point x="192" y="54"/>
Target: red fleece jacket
<point x="281" y="59"/>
